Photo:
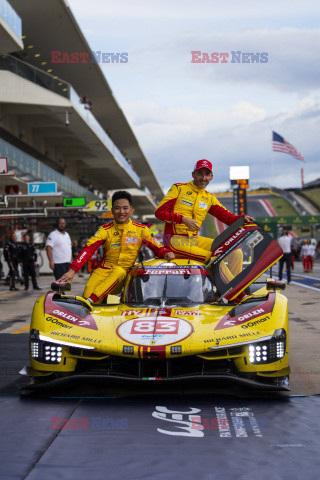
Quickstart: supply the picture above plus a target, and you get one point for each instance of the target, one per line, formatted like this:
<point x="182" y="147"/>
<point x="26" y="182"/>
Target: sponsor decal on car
<point x="147" y="312"/>
<point x="51" y="308"/>
<point x="187" y="313"/>
<point x="57" y="322"/>
<point x="256" y="322"/>
<point x="158" y="330"/>
<point x="136" y="313"/>
<point x="228" y="242"/>
<point x="169" y="271"/>
<point x="75" y="337"/>
<point x="220" y="339"/>
<point x="229" y="320"/>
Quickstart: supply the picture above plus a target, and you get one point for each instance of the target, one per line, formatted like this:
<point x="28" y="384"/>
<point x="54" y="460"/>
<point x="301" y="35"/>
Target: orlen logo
<point x="82" y="256"/>
<point x="230" y="240"/>
<point x="227" y="321"/>
<point x="65" y="315"/>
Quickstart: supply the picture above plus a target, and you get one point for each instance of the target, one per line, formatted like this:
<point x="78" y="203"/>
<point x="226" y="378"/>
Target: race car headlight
<point x="269" y="351"/>
<point x="44" y="352"/>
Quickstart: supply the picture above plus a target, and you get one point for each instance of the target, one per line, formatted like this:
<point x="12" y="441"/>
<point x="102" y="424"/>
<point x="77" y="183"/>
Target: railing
<point x="25" y="163"/>
<point x="37" y="76"/>
<point x="11" y="17"/>
<point x="99" y="131"/>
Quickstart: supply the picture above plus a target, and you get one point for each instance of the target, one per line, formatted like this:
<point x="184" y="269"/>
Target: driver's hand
<point x="191" y="224"/>
<point x="169" y="256"/>
<point x="51" y="265"/>
<point x="67" y="277"/>
<point x="249" y="219"/>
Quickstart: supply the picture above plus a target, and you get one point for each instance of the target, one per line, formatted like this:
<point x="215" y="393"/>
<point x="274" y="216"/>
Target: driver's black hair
<point x="121" y="194"/>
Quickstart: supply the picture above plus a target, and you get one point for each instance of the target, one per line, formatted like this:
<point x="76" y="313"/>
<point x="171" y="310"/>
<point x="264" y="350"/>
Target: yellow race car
<point x="174" y="321"/>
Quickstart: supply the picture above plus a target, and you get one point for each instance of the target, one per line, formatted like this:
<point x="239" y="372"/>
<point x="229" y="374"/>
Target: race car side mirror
<point x="60" y="287"/>
<point x="273" y="284"/>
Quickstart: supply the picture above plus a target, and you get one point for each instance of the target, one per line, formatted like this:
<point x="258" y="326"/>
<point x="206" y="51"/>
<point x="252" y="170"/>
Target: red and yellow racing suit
<point x="188" y="200"/>
<point x="121" y="245"/>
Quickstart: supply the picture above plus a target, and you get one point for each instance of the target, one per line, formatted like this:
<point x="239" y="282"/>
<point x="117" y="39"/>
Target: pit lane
<point x="163" y="433"/>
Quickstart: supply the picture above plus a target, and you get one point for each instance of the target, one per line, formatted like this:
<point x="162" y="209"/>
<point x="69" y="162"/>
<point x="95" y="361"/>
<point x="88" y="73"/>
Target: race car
<point x="175" y="321"/>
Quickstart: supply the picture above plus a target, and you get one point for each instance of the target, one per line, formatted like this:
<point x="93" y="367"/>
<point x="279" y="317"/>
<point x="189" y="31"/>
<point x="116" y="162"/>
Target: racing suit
<point x="121" y="244"/>
<point x="188" y="200"/>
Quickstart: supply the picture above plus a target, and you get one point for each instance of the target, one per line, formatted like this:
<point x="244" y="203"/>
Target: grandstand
<point x="47" y="133"/>
<point x="311" y="191"/>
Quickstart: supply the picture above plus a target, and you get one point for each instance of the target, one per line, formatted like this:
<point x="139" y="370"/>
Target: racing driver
<point x="121" y="240"/>
<point x="184" y="209"/>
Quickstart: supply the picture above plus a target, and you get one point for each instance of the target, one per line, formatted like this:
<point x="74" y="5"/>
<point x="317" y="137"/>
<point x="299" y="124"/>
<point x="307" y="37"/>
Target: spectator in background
<point x="312" y="253"/>
<point x="86" y="102"/>
<point x="28" y="260"/>
<point x="75" y="249"/>
<point x="59" y="250"/>
<point x="305" y="256"/>
<point x="11" y="256"/>
<point x="285" y="243"/>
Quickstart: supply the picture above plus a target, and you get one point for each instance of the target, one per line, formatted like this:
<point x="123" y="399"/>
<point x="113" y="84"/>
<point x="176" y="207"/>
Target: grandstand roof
<point x="313" y="184"/>
<point x="59" y="31"/>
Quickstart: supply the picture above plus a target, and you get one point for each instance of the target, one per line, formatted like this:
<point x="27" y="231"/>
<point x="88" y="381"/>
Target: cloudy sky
<point x="182" y="111"/>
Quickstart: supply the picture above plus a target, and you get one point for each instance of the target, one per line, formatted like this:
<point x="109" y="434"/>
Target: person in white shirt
<point x="311" y="252"/>
<point x="59" y="249"/>
<point x="313" y="255"/>
<point x="285" y="243"/>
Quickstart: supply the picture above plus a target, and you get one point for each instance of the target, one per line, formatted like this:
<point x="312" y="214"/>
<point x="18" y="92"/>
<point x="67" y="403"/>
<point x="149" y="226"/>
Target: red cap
<point x="203" y="164"/>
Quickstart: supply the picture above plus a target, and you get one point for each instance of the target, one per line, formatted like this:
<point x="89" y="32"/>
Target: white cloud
<point x="181" y="111"/>
<point x="174" y="138"/>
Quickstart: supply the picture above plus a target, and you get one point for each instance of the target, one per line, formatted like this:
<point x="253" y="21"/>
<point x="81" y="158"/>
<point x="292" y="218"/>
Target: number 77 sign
<point x="40" y="188"/>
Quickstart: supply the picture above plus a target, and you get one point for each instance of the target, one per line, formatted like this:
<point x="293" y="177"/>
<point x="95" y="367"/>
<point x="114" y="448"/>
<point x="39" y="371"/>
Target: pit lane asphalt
<point x="123" y="434"/>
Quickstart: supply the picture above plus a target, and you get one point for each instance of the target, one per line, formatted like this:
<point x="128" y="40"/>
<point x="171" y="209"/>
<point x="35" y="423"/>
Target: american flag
<point x="279" y="144"/>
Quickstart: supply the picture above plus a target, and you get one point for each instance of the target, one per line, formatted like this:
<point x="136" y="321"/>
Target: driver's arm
<point x="86" y="253"/>
<point x="221" y="213"/>
<point x="165" y="208"/>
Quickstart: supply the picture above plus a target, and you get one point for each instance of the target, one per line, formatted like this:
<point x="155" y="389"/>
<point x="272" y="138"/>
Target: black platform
<point x="164" y="437"/>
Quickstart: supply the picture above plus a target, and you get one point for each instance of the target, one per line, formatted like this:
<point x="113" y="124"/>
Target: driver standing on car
<point x="121" y="241"/>
<point x="184" y="209"/>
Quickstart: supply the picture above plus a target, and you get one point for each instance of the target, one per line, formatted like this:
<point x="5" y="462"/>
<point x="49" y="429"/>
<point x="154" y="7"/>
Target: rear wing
<point x="240" y="255"/>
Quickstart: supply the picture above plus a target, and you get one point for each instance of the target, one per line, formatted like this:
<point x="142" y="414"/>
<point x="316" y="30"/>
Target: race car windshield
<point x="170" y="289"/>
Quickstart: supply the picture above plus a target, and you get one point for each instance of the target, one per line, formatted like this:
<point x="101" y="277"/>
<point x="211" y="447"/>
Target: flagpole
<point x="272" y="172"/>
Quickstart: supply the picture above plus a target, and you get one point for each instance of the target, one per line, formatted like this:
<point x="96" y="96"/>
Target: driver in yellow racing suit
<point x="121" y="241"/>
<point x="184" y="209"/>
